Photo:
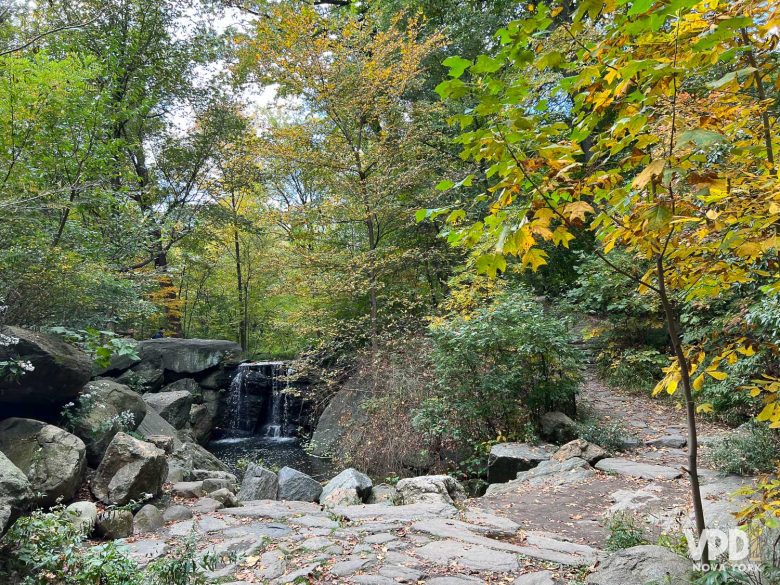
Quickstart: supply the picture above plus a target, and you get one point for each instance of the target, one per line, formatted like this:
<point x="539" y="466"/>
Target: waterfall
<point x="258" y="401"/>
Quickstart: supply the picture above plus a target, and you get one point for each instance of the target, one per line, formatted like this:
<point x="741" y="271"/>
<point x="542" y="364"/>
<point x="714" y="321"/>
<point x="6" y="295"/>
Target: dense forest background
<point x="287" y="175"/>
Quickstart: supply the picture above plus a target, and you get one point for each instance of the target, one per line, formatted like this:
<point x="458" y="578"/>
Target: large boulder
<point x="52" y="459"/>
<point x="106" y="408"/>
<point x="59" y="370"/>
<point x="143" y="377"/>
<point x="172" y="406"/>
<point x="348" y="487"/>
<point x="436" y="489"/>
<point x="259" y="484"/>
<point x="130" y="470"/>
<point x="557" y="427"/>
<point x="507" y="459"/>
<point x="188" y="356"/>
<point x="297" y="486"/>
<point x="83" y="515"/>
<point x="16" y="494"/>
<point x="344" y="410"/>
<point x="640" y="565"/>
<point x="185" y="384"/>
<point x="114" y="524"/>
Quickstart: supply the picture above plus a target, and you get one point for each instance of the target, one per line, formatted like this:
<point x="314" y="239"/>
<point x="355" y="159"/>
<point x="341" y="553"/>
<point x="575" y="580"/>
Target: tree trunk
<point x="240" y="289"/>
<point x="673" y="327"/>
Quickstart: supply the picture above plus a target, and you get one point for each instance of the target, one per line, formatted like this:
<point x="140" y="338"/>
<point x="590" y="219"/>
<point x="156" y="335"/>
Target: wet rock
<point x="114" y="524"/>
<point x="148" y="519"/>
<point x="106" y="408"/>
<point x="507" y="459"/>
<point x="639" y="565"/>
<point x="53" y="460"/>
<point x="130" y="470"/>
<point x="259" y="484"/>
<point x="430" y="489"/>
<point x="297" y="486"/>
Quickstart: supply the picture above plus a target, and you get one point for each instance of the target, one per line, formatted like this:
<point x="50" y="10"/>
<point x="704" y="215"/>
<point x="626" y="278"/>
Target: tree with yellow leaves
<point x="652" y="124"/>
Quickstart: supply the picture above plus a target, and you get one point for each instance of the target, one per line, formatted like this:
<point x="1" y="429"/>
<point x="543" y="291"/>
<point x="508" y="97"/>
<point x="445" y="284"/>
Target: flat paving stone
<point x="349" y="567"/>
<point x="406" y="513"/>
<point x="471" y="556"/>
<point x="273" y="509"/>
<point x="637" y="469"/>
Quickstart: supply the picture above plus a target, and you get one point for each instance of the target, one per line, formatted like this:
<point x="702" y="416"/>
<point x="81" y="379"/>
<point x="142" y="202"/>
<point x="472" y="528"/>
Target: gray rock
<point x="204" y="474"/>
<point x="430" y="489"/>
<point x="201" y="423"/>
<point x="191" y="456"/>
<point x="455" y="580"/>
<point x="383" y="494"/>
<point x="259" y="484"/>
<point x="188" y="356"/>
<point x="538" y="578"/>
<point x="207" y="506"/>
<point x="557" y="427"/>
<point x="172" y="406"/>
<point x="471" y="556"/>
<point x="350" y="566"/>
<point x="153" y="425"/>
<point x="640" y="565"/>
<point x="161" y="442"/>
<point x="143" y="377"/>
<point x="213" y="484"/>
<point x="130" y="470"/>
<point x="272" y="565"/>
<point x="59" y="371"/>
<point x="114" y="524"/>
<point x="629" y="443"/>
<point x="547" y="472"/>
<point x="52" y="459"/>
<point x="83" y="515"/>
<point x="188" y="489"/>
<point x="110" y="407"/>
<point x="507" y="459"/>
<point x="187" y="385"/>
<point x="16" y="494"/>
<point x="671" y="441"/>
<point x="343" y="410"/>
<point x="177" y="513"/>
<point x="148" y="519"/>
<point x="226" y="497"/>
<point x="297" y="486"/>
<point x="349" y="486"/>
<point x="275" y="510"/>
<point x="581" y="448"/>
<point x="635" y="469"/>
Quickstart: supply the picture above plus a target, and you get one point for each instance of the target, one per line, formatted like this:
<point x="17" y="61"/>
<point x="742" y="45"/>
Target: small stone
<point x="297" y="486"/>
<point x="225" y="496"/>
<point x="539" y="578"/>
<point x="114" y="524"/>
<point x="206" y="506"/>
<point x="83" y="514"/>
<point x="671" y="441"/>
<point x="557" y="427"/>
<point x="349" y="485"/>
<point x="581" y="448"/>
<point x="348" y="567"/>
<point x="202" y="474"/>
<point x="177" y="512"/>
<point x="213" y="484"/>
<point x="383" y="494"/>
<point x="163" y="442"/>
<point x="148" y="519"/>
<point x="431" y="489"/>
<point x="259" y="484"/>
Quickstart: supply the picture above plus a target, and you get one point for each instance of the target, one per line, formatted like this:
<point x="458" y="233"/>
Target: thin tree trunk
<point x="673" y="326"/>
<point x="240" y="290"/>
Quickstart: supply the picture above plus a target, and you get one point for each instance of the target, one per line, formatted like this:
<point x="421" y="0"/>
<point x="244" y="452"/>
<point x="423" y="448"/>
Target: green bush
<point x="755" y="449"/>
<point x="631" y="368"/>
<point x="624" y="532"/>
<point x="499" y="368"/>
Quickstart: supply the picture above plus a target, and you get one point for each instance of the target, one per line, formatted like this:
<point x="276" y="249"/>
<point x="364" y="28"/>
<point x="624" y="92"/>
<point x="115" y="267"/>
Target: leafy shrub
<point x="755" y="449"/>
<point x="607" y="434"/>
<point x="631" y="368"/>
<point x="624" y="532"/>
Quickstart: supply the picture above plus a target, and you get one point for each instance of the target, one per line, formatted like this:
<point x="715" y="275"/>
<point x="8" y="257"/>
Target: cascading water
<point x="278" y="420"/>
<point x="237" y="420"/>
<point x="258" y="401"/>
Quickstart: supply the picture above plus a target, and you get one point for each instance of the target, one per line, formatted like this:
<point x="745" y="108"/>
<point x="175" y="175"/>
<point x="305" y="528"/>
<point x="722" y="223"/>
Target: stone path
<point x="281" y="542"/>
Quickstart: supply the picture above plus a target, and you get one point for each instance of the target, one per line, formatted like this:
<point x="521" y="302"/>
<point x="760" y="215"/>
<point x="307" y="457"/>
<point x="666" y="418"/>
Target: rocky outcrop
<point x="582" y="449"/>
<point x="507" y="459"/>
<point x="347" y="488"/>
<point x="640" y="565"/>
<point x="343" y="410"/>
<point x="16" y="494"/>
<point x="105" y="408"/>
<point x="637" y="469"/>
<point x="201" y="423"/>
<point x="53" y="460"/>
<point x="172" y="406"/>
<point x="58" y="375"/>
<point x="259" y="484"/>
<point x="130" y="470"/>
<point x="297" y="486"/>
<point x="188" y="356"/>
<point x="435" y="489"/>
<point x="143" y="377"/>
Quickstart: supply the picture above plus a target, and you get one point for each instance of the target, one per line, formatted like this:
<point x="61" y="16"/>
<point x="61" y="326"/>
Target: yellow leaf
<point x="651" y="171"/>
<point x="578" y="209"/>
<point x="706" y="407"/>
<point x="672" y="386"/>
<point x="698" y="383"/>
<point x="535" y="257"/>
<point x="717" y="375"/>
<point x="768" y="413"/>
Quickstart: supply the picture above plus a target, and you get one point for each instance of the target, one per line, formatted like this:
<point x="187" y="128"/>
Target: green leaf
<point x="658" y="217"/>
<point x="421" y="215"/>
<point x="490" y="264"/>
<point x="701" y="138"/>
<point x="445" y="185"/>
<point x="639" y="7"/>
<point x="486" y="64"/>
<point x="457" y="65"/>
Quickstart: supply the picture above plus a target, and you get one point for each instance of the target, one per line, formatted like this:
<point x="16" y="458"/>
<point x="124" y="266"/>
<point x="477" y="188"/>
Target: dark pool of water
<point x="272" y="452"/>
